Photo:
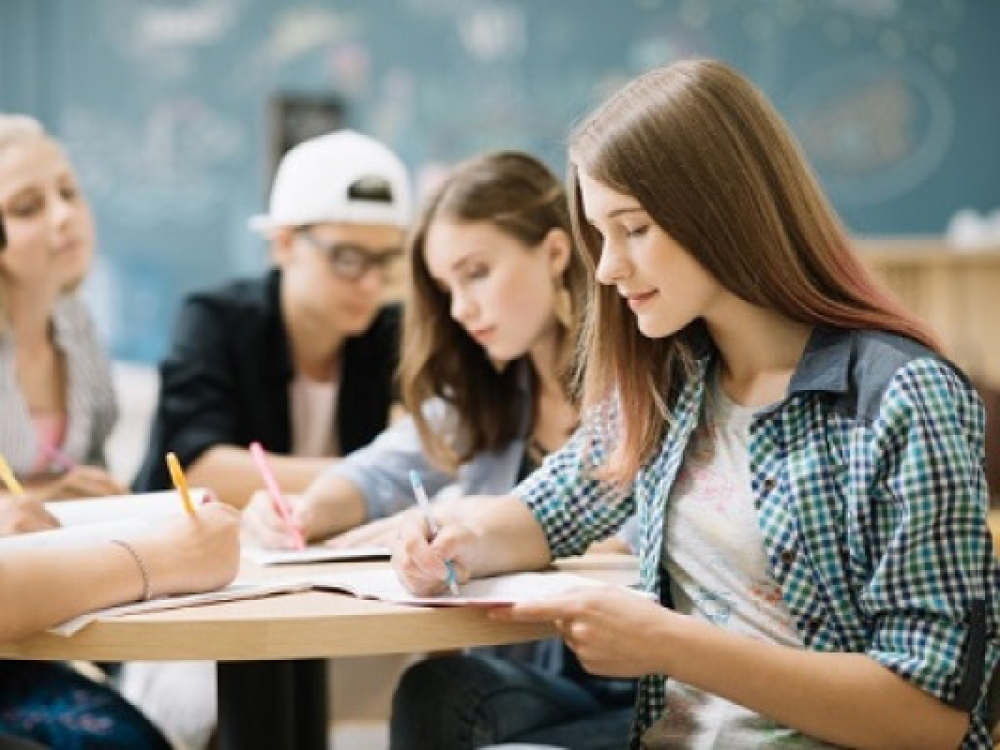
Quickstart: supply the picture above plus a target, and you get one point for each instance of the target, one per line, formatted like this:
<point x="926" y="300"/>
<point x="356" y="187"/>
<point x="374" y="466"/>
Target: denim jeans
<point x="468" y="702"/>
<point x="57" y="707"/>
<point x="15" y="743"/>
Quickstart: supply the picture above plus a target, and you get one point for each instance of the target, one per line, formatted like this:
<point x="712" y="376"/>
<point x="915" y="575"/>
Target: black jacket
<point x="226" y="379"/>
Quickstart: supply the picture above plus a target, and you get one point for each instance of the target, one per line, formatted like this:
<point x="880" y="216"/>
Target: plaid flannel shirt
<point x="872" y="500"/>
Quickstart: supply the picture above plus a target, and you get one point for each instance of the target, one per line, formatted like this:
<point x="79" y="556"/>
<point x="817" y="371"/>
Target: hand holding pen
<point x="20" y="514"/>
<point x="280" y="503"/>
<point x="451" y="579"/>
<point x="9" y="480"/>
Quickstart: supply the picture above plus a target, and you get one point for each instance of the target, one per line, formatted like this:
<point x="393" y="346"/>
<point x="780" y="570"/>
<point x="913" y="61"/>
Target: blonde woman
<point x="806" y="467"/>
<point x="56" y="394"/>
<point x="57" y="407"/>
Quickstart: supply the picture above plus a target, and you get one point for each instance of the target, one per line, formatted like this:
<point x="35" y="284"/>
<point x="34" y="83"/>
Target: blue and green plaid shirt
<point x="872" y="500"/>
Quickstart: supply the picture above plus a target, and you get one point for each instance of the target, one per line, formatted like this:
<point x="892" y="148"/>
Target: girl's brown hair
<point x="713" y="164"/>
<point x="520" y="197"/>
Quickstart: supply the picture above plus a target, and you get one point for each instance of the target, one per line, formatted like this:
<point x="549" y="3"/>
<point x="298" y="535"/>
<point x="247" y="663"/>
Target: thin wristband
<point x="147" y="588"/>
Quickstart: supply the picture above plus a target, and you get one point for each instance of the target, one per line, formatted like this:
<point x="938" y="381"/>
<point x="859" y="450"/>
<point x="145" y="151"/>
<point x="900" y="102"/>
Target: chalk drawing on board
<point x="149" y="28"/>
<point x="493" y="33"/>
<point x="874" y="129"/>
<point x="298" y="31"/>
<point x="169" y="167"/>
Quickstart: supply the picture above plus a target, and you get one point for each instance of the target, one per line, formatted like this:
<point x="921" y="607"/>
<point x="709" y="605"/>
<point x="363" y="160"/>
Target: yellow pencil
<point x="180" y="482"/>
<point x="9" y="479"/>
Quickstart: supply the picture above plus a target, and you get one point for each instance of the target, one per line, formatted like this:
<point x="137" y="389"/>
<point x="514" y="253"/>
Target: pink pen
<point x="280" y="503"/>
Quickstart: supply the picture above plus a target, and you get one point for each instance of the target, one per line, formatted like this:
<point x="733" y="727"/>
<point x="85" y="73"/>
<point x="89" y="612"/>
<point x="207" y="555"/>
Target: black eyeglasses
<point x="351" y="262"/>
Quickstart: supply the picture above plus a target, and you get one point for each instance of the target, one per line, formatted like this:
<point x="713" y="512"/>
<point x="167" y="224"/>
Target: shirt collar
<point x="825" y="363"/>
<point x="824" y="366"/>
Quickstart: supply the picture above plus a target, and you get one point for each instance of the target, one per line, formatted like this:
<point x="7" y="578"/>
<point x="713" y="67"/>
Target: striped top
<point x="91" y="404"/>
<point x="871" y="498"/>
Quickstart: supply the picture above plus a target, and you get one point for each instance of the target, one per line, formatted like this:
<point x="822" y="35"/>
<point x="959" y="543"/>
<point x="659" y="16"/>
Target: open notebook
<point x="100" y="519"/>
<point x="111" y="517"/>
<point x="383" y="585"/>
<point x="147" y="506"/>
<point x="103" y="518"/>
<point x="496" y="591"/>
<point x="233" y="592"/>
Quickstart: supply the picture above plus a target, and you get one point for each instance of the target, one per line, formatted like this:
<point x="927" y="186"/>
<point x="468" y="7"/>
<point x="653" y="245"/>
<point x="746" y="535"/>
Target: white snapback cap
<point x="341" y="177"/>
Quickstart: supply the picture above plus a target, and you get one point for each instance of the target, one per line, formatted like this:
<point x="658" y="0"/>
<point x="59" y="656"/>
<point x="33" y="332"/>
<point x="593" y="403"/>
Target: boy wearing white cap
<point x="302" y="358"/>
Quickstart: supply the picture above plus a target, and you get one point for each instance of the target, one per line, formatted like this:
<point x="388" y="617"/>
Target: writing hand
<point x="420" y="563"/>
<point x="193" y="553"/>
<point x="264" y="525"/>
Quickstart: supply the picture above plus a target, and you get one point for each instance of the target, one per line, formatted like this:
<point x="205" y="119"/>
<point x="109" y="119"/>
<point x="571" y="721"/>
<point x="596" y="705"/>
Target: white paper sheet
<point x="99" y="519"/>
<point x="149" y="506"/>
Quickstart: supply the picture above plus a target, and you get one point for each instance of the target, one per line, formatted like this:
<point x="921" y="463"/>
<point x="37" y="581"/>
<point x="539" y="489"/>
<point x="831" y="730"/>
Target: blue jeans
<point x="467" y="702"/>
<point x="15" y="743"/>
<point x="57" y="707"/>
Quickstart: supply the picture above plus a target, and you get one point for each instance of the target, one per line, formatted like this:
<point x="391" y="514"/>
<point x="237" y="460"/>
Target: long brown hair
<point x="714" y="165"/>
<point x="522" y="198"/>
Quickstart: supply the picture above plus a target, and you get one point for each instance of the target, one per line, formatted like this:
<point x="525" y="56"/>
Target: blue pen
<point x="425" y="507"/>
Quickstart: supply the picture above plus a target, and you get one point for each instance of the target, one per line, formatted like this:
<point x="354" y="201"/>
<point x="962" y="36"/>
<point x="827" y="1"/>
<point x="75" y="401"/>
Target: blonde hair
<point x="16" y="128"/>
<point x="713" y="164"/>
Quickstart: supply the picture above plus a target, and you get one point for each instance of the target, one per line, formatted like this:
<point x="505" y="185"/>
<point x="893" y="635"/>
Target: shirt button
<point x="770" y="483"/>
<point x="787" y="556"/>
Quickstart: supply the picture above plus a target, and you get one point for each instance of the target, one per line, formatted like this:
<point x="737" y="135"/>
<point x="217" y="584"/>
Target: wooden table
<point x="253" y="640"/>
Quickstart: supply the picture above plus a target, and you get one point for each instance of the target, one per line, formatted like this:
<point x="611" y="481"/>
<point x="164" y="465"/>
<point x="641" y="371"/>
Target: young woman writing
<point x="806" y="467"/>
<point x="486" y="346"/>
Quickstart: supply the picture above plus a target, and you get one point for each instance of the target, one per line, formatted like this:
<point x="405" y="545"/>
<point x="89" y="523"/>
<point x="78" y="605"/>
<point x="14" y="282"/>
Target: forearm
<point x="509" y="536"/>
<point x="47" y="587"/>
<point x="231" y="473"/>
<point x="811" y="691"/>
<point x="335" y="505"/>
<point x="42" y="489"/>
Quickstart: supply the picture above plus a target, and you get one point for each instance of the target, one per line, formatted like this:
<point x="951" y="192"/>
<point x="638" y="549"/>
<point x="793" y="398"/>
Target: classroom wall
<point x="164" y="104"/>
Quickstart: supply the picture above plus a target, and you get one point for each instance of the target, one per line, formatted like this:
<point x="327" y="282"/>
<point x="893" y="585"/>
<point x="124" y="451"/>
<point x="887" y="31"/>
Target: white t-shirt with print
<point x="719" y="572"/>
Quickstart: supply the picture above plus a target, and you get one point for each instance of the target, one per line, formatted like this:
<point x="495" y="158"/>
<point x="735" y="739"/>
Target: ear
<point x="282" y="240"/>
<point x="559" y="247"/>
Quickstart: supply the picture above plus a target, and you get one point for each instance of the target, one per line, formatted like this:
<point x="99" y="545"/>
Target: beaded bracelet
<point x="147" y="589"/>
